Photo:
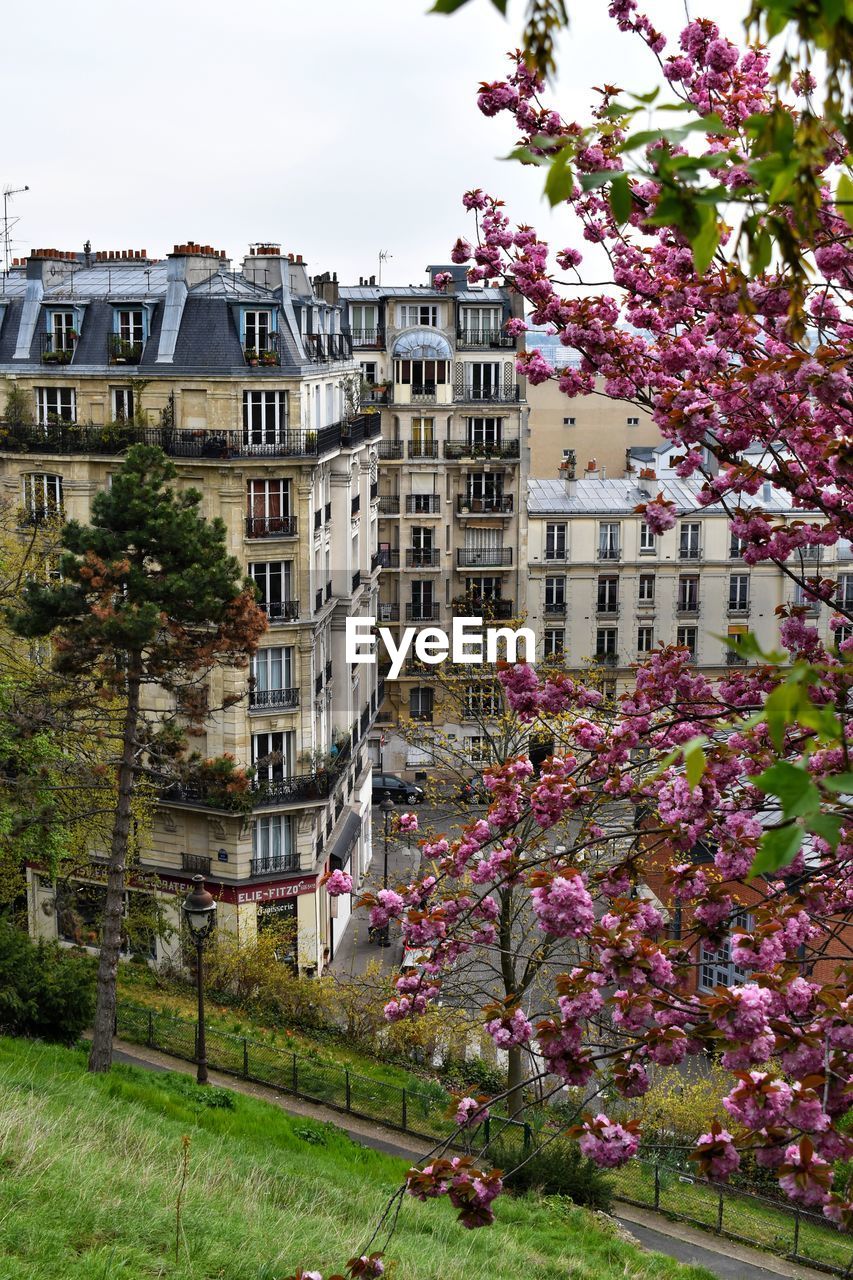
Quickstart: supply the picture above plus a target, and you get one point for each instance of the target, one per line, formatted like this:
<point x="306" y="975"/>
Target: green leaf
<point x="844" y="196"/>
<point x="827" y="825"/>
<point x="793" y="785"/>
<point x="560" y="180"/>
<point x="706" y="241"/>
<point x="600" y="178"/>
<point x="620" y="198"/>
<point x="781" y="186"/>
<point x="777" y="848"/>
<point x="778" y="712"/>
<point x="694" y="762"/>
<point x="841" y="782"/>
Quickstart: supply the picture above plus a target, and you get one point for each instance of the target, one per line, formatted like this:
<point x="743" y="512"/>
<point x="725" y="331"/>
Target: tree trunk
<point x="515" y="1081"/>
<point x="101" y="1055"/>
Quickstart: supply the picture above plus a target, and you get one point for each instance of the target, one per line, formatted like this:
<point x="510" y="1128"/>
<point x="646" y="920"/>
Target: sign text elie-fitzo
<point x="468" y="644"/>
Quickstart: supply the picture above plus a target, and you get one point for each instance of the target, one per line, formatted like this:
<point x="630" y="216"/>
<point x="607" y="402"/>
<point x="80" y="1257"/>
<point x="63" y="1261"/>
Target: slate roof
<point x="620" y="495"/>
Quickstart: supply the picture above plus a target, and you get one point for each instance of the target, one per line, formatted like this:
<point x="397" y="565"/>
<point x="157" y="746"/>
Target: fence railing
<point x="416" y="1109"/>
<point x="789" y="1231"/>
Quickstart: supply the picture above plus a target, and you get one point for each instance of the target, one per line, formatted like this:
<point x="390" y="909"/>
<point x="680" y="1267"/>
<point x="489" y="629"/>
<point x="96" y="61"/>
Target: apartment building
<point x="605" y="590"/>
<point x="438" y="372"/>
<point x="239" y="374"/>
<point x="586" y="432"/>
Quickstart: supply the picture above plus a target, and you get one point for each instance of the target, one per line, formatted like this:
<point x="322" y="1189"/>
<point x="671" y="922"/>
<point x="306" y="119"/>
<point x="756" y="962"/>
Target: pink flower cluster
<point x="339" y="882"/>
<point x="608" y="1143"/>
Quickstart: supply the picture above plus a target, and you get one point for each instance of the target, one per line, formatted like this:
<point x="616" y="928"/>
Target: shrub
<point x="558" y="1169"/>
<point x="44" y="991"/>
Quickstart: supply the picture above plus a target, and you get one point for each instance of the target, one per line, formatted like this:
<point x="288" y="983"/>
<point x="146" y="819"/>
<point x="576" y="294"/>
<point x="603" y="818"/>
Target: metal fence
<point x="418" y="1109"/>
<point x="793" y="1233"/>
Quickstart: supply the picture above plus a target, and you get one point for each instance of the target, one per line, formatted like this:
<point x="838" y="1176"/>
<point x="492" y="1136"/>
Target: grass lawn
<point x="91" y="1170"/>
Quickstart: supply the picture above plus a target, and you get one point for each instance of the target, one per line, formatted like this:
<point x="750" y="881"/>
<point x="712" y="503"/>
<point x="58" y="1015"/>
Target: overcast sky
<point x="337" y="128"/>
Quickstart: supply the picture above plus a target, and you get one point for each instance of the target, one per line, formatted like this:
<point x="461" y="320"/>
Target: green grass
<point x="91" y="1169"/>
<point x="754" y="1220"/>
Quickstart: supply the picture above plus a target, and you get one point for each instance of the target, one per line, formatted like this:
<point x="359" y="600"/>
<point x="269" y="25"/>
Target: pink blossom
<point x="339" y="882"/>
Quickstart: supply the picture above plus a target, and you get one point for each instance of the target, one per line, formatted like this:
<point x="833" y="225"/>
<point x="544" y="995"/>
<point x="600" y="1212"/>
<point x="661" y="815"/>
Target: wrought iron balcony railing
<point x="423" y="557"/>
<point x="270" y="526"/>
<point x="484" y="557"/>
<point x="499" y="505"/>
<point x="428" y="612"/>
<point x="280" y="610"/>
<point x="264" y="699"/>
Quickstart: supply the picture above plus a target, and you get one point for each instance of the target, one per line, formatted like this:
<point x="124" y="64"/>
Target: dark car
<point x="400" y="792"/>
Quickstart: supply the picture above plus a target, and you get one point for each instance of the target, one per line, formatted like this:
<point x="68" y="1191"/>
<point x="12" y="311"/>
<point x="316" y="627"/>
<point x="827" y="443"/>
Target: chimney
<point x="193" y="263"/>
<point x="567" y="472"/>
<point x="648" y="482"/>
<point x="591" y="471"/>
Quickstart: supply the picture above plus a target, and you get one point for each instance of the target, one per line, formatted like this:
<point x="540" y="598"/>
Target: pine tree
<point x="147" y="597"/>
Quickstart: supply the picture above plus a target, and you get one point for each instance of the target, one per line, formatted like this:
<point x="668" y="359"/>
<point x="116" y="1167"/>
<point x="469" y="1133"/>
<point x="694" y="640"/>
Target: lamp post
<point x="199" y="908"/>
<point x="387" y="807"/>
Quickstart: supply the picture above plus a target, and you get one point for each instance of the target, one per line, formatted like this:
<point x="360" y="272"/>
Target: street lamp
<point x="387" y="807"/>
<point x="199" y="908"/>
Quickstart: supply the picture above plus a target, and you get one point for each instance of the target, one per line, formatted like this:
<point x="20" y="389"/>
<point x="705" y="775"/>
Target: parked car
<point x="401" y="792"/>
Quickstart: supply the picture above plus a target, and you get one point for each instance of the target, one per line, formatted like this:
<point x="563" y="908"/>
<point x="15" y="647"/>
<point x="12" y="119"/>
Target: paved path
<point x="723" y="1258"/>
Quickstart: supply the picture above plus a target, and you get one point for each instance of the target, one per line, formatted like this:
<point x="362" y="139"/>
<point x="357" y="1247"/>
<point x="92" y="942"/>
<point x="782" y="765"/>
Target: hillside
<point x="91" y="1169"/>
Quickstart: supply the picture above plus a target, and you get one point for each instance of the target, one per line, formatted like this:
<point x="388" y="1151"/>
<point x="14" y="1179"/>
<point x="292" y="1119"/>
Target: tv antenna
<point x="8" y="192"/>
<point x="384" y="255"/>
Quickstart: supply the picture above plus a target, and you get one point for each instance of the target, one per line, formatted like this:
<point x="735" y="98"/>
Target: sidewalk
<point x="724" y="1258"/>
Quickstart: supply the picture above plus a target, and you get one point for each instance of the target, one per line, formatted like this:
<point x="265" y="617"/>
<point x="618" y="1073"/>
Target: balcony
<point x="280" y="610"/>
<point x="270" y="526"/>
<point x="609" y="553"/>
<point x="390" y="450"/>
<point x="479" y="339"/>
<point x="554" y="609"/>
<point x="278" y="699"/>
<point x="368" y="337"/>
<point x="114" y="439"/>
<point x="427" y="612"/>
<point x="388" y="558"/>
<point x="266" y="356"/>
<point x="355" y="505"/>
<point x="321" y="347"/>
<point x="488" y="609"/>
<point x="423" y="394"/>
<point x="275" y="862"/>
<point x="687" y="608"/>
<point x="506" y="447"/>
<point x="737" y="610"/>
<point x="484" y="557"/>
<point x="487" y="395"/>
<point x="57" y="350"/>
<point x="423" y="504"/>
<point x="422" y="557"/>
<point x="423" y="448"/>
<point x="607" y="609"/>
<point x="499" y="505"/>
<point x="388" y="612"/>
<point x="123" y="350"/>
<point x="374" y="396"/>
<point x="389" y="504"/>
<point x="373" y="494"/>
<point x="198" y="863"/>
<point x="375" y="561"/>
<point x="689" y="553"/>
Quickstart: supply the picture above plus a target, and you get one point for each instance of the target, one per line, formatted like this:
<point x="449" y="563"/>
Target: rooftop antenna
<point x="384" y="255"/>
<point x="8" y="192"/>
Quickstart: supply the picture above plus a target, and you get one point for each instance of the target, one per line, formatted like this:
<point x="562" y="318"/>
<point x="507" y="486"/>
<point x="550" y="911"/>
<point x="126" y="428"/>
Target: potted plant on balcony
<point x="251" y="355"/>
<point x="269" y="356"/>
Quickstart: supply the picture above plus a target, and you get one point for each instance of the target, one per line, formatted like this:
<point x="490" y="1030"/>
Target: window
<point x="844" y="593"/>
<point x="483" y="490"/>
<point x="482" y="380"/>
<point x="484" y="431"/>
<point x="608" y="541"/>
<point x="715" y="965"/>
<point x="842" y="634"/>
<point x="269" y="508"/>
<point x="686" y="639"/>
<point x="555" y="542"/>
<point x="422" y="606"/>
<point x="632" y="422"/>
<point x="605" y="642"/>
<point x="421" y="704"/>
<point x="736" y="546"/>
<point x="273" y="669"/>
<point x="480" y="324"/>
<point x="568" y="422"/>
<point x="129" y="326"/>
<point x="423" y="437"/>
<point x="273" y="580"/>
<point x="482" y="701"/>
<point x="688" y="593"/>
<point x="257" y="330"/>
<point x="56" y="404"/>
<point x="364" y="323"/>
<point x="608" y="595"/>
<point x="422" y="375"/>
<point x="272" y="755"/>
<point x="122" y="404"/>
<point x="264" y="417"/>
<point x="739" y="593"/>
<point x="648" y="544"/>
<point x="63" y="330"/>
<point x="646" y="593"/>
<point x="555" y="595"/>
<point x="688" y="546"/>
<point x="645" y="639"/>
<point x="479" y="750"/>
<point x="42" y="496"/>
<point x="555" y="642"/>
<point x="484" y="588"/>
<point x="415" y="314"/>
<point x="418" y="757"/>
<point x="422" y="551"/>
<point x="368" y="372"/>
<point x="273" y="844"/>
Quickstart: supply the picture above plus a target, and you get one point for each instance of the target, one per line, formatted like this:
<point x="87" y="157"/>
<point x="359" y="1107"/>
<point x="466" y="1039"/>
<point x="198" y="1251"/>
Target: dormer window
<point x="418" y="314"/>
<point x="58" y="342"/>
<point x="128" y="336"/>
<point x="260" y="341"/>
